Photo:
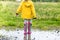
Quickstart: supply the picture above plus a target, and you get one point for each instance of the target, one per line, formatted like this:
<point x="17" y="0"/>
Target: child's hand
<point x="16" y="14"/>
<point x="34" y="18"/>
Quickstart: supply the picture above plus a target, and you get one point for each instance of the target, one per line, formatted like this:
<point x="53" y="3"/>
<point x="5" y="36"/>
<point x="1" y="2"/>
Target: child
<point x="27" y="13"/>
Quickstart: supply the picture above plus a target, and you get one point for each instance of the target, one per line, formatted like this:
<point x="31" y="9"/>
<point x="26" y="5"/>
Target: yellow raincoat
<point x="27" y="10"/>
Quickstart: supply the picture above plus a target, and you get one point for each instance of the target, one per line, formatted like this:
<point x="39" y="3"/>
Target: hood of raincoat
<point x="27" y="5"/>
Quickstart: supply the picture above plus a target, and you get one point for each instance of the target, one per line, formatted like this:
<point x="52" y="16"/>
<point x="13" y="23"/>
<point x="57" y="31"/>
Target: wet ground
<point x="36" y="35"/>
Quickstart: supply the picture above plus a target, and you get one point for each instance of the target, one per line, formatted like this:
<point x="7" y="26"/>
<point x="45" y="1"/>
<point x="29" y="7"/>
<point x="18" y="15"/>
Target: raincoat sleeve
<point x="19" y="8"/>
<point x="33" y="10"/>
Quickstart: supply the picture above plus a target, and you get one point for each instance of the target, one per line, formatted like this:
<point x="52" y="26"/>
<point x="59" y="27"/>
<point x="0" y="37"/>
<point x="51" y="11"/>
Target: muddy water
<point x="36" y="35"/>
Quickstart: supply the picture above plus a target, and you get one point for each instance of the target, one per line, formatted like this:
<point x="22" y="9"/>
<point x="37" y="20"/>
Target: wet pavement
<point x="35" y="35"/>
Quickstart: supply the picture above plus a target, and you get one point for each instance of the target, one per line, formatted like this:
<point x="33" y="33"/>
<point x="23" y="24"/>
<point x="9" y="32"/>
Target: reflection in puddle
<point x="27" y="37"/>
<point x="36" y="35"/>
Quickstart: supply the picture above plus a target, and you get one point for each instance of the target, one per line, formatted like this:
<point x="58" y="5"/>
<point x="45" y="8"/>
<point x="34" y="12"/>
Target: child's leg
<point x="29" y="26"/>
<point x="25" y="29"/>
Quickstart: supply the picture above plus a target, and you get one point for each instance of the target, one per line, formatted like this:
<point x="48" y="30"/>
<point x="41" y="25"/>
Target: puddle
<point x="36" y="35"/>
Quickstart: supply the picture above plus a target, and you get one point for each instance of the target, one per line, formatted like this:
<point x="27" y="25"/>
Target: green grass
<point x="48" y="15"/>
